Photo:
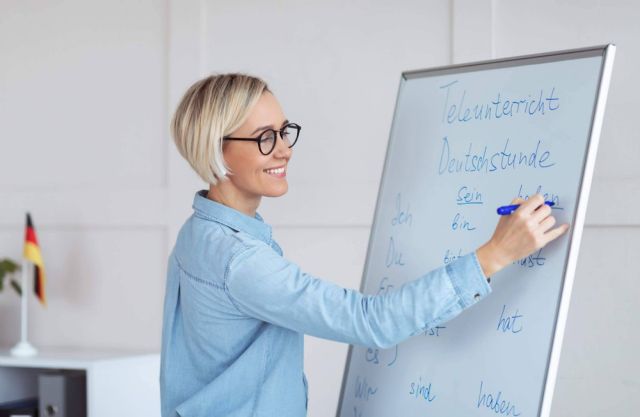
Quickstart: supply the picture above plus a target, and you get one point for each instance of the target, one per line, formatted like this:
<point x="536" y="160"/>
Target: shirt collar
<point x="212" y="210"/>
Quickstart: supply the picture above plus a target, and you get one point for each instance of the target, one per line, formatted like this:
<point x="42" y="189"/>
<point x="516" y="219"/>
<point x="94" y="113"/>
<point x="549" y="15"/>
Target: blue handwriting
<point x="402" y="216"/>
<point x="509" y="323"/>
<point x="547" y="197"/>
<point x="496" y="404"/>
<point x="496" y="108"/>
<point x="465" y="196"/>
<point x="394" y="256"/>
<point x="459" y="223"/>
<point x="373" y="356"/>
<point x="449" y="256"/>
<point x="533" y="260"/>
<point x="473" y="161"/>
<point x="363" y="390"/>
<point x="382" y="287"/>
<point x="421" y="390"/>
<point x="434" y="331"/>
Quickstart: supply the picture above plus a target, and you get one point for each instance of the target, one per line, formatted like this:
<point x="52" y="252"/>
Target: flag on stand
<point x="32" y="254"/>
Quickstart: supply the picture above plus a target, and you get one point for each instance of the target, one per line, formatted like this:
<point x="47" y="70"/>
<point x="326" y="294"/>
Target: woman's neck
<point x="225" y="193"/>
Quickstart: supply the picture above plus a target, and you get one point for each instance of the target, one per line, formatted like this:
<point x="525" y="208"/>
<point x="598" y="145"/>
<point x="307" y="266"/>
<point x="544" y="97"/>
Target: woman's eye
<point x="267" y="136"/>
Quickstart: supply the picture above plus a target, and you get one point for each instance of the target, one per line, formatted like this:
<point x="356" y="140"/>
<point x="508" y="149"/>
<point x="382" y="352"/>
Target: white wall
<point x="86" y="91"/>
<point x="83" y="116"/>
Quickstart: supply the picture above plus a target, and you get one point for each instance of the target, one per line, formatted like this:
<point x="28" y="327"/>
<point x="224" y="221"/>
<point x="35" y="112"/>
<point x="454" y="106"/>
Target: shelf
<point x="119" y="382"/>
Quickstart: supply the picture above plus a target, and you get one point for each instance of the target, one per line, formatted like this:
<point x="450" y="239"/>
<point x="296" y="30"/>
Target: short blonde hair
<point x="211" y="109"/>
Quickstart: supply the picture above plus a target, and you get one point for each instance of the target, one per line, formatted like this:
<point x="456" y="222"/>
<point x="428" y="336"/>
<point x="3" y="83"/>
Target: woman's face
<point x="253" y="173"/>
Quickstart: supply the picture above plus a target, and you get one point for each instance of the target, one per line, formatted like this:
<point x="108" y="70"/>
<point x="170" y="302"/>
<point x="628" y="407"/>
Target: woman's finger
<point x="547" y="223"/>
<point x="554" y="233"/>
<point x="531" y="204"/>
<point x="541" y="213"/>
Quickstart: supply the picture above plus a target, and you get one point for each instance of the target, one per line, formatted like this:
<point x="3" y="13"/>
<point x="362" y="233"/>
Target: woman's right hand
<point x="519" y="234"/>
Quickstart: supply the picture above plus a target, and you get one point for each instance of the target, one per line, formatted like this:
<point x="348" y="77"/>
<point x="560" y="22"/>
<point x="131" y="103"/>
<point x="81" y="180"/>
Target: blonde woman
<point x="235" y="309"/>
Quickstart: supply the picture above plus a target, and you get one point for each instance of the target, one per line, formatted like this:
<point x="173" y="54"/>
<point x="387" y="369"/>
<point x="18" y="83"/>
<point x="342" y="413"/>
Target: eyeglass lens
<point x="268" y="139"/>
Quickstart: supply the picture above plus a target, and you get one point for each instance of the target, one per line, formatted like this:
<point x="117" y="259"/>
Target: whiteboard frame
<point x="607" y="52"/>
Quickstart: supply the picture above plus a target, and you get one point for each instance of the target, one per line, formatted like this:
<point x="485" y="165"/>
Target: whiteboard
<point x="466" y="139"/>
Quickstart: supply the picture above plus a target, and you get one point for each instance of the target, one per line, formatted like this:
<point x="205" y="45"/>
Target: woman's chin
<point x="277" y="191"/>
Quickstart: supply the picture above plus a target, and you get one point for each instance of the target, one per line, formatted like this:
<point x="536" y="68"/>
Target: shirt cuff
<point x="468" y="280"/>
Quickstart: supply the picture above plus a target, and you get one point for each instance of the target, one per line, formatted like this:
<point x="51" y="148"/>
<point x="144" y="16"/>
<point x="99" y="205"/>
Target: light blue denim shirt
<point x="235" y="312"/>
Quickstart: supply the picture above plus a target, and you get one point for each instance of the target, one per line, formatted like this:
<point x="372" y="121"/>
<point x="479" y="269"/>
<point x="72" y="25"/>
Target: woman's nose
<point x="282" y="149"/>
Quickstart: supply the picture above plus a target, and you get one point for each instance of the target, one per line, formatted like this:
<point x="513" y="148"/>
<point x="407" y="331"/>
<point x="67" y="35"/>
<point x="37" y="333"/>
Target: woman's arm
<point x="264" y="285"/>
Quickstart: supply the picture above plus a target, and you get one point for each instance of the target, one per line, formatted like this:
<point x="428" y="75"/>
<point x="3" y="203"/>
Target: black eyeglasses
<point x="267" y="139"/>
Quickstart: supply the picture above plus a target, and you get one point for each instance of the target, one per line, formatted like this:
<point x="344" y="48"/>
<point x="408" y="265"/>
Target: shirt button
<point x="476" y="297"/>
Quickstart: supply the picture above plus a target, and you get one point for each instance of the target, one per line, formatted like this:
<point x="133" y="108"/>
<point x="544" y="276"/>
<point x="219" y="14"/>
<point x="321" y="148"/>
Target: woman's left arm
<point x="264" y="285"/>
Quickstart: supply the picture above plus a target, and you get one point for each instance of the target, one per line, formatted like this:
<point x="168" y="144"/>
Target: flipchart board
<point x="466" y="139"/>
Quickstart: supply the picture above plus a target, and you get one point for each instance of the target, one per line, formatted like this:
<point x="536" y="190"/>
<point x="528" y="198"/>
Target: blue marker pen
<point x="506" y="210"/>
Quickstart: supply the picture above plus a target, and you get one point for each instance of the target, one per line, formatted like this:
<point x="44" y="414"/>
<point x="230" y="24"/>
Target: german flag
<point x="32" y="253"/>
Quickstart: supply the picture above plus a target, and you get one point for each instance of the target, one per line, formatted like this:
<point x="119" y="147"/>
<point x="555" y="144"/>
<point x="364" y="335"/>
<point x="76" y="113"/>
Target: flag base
<point x="23" y="349"/>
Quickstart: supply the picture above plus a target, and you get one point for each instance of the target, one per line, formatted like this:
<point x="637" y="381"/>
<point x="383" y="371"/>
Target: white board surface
<point x="466" y="139"/>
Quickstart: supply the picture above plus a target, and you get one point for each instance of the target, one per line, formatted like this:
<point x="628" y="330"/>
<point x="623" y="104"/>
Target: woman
<point x="236" y="310"/>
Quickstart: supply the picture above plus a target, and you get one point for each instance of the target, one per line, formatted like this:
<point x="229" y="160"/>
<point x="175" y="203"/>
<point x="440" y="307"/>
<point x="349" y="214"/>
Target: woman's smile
<point x="278" y="172"/>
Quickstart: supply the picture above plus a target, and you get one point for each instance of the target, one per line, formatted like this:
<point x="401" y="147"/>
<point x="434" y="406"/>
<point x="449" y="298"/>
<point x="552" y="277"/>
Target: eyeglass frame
<point x="275" y="133"/>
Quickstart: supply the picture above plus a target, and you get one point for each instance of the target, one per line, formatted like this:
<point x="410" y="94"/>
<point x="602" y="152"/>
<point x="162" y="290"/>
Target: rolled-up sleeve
<point x="264" y="285"/>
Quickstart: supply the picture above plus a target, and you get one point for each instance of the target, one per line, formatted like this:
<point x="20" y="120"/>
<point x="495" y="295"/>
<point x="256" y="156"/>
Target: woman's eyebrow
<point x="268" y="127"/>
